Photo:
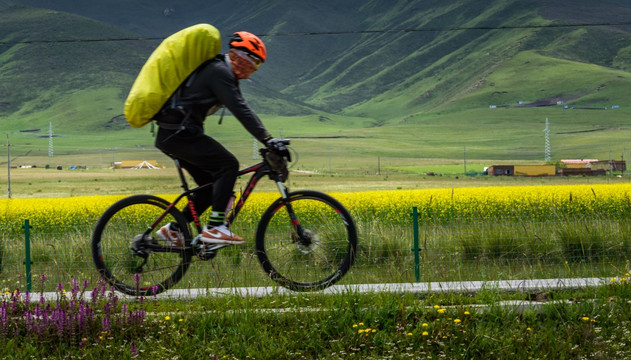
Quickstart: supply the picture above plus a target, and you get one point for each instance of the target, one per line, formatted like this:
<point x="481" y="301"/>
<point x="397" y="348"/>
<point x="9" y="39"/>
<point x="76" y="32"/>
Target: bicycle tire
<point x="301" y="267"/>
<point x="112" y="246"/>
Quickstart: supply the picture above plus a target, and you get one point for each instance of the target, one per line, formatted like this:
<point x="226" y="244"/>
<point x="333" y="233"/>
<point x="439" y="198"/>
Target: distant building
<point x="499" y="170"/>
<point x="522" y="170"/>
<point x="613" y="165"/>
<point x="582" y="172"/>
<point x="584" y="167"/>
<point x="595" y="164"/>
<point x="580" y="162"/>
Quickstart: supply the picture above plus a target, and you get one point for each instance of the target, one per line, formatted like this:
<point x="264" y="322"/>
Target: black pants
<point x="206" y="160"/>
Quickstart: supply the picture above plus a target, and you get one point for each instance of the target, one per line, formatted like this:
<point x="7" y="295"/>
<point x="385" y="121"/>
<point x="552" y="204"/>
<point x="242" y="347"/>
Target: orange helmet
<point x="249" y="42"/>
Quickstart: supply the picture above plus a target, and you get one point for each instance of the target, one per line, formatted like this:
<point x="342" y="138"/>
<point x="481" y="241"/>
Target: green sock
<point x="216" y="218"/>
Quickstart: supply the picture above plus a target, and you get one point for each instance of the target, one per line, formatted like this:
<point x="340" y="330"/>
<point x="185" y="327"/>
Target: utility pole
<point x="548" y="154"/>
<point x="610" y="163"/>
<point x="329" y="160"/>
<point x="50" y="139"/>
<point x="626" y="162"/>
<point x="465" y="159"/>
<point x="9" y="165"/>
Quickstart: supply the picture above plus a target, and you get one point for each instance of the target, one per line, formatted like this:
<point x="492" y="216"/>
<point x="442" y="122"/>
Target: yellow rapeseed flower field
<point x="530" y="202"/>
<point x="393" y="206"/>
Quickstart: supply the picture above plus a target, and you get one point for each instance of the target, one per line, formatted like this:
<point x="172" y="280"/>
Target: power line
<point x="57" y="41"/>
<point x="342" y="32"/>
<point x="444" y="29"/>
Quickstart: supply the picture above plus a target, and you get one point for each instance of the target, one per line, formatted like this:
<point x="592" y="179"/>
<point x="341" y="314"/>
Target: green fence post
<point x="416" y="249"/>
<point x="27" y="253"/>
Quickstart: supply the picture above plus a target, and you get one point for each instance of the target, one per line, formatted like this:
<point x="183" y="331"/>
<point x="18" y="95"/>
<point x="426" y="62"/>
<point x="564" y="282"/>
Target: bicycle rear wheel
<point x="313" y="255"/>
<point x="151" y="266"/>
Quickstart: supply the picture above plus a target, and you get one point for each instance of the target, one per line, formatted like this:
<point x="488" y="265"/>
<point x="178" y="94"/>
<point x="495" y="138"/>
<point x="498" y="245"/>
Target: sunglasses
<point x="251" y="58"/>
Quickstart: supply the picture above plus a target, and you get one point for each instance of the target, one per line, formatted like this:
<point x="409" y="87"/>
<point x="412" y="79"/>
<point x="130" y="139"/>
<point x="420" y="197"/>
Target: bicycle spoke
<point x="120" y="264"/>
<point x="317" y="257"/>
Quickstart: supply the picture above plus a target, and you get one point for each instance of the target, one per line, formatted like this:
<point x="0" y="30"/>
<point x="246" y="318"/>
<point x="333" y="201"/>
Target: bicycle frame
<point x="259" y="171"/>
<point x="297" y="255"/>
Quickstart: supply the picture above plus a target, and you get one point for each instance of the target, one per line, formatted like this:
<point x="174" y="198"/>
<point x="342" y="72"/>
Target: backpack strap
<point x="176" y="101"/>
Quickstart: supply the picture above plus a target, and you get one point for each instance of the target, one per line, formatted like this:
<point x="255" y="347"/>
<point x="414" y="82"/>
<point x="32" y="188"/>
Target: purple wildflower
<point x="75" y="288"/>
<point x="70" y="318"/>
<point x="134" y="350"/>
<point x="4" y="319"/>
<point x="106" y="324"/>
<point x="85" y="286"/>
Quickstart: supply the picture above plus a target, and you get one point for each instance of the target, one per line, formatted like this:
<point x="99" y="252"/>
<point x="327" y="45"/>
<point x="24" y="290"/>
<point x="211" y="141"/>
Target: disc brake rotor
<point x="309" y="244"/>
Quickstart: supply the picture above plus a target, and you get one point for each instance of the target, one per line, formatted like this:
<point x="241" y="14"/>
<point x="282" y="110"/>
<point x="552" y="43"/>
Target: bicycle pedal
<point x="215" y="247"/>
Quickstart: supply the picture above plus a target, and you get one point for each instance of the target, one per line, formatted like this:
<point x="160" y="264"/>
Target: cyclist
<point x="181" y="134"/>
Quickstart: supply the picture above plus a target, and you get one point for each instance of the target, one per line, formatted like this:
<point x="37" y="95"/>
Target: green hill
<point x="69" y="82"/>
<point x="386" y="72"/>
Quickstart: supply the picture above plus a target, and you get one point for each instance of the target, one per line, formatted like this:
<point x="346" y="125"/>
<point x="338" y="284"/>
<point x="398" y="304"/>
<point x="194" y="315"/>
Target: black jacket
<point x="211" y="86"/>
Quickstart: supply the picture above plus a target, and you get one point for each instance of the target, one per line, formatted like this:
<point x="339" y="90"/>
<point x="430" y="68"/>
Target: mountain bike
<point x="305" y="240"/>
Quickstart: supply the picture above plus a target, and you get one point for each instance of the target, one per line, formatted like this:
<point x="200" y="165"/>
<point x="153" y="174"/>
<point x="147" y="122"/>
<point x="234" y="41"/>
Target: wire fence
<point x="418" y="250"/>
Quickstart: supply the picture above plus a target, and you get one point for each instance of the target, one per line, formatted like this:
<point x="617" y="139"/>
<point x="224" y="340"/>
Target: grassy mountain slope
<point x="39" y="74"/>
<point x="448" y="65"/>
<point x="346" y="72"/>
<point x="288" y="55"/>
<point x="50" y="73"/>
<point x="388" y="70"/>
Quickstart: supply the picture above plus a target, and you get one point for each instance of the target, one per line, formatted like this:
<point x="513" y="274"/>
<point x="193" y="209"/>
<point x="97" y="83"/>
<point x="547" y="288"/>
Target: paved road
<point x="420" y="288"/>
<point x="416" y="288"/>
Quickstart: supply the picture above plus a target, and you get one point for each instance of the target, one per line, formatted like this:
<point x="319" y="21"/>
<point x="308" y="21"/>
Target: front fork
<point x="300" y="234"/>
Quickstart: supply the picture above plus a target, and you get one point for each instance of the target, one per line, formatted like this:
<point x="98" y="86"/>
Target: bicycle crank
<point x="138" y="245"/>
<point x="208" y="252"/>
<point x="139" y="249"/>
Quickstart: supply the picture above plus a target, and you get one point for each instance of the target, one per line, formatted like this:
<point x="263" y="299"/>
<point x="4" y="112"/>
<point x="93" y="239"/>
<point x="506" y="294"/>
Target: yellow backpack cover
<point x="167" y="67"/>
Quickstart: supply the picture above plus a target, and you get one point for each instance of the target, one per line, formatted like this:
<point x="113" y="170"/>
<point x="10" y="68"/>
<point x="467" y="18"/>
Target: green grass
<point x="252" y="327"/>
<point x="593" y="321"/>
<point x="460" y="250"/>
<point x="484" y="137"/>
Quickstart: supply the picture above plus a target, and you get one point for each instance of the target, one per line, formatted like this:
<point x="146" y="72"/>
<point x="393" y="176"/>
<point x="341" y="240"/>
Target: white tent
<point x="144" y="165"/>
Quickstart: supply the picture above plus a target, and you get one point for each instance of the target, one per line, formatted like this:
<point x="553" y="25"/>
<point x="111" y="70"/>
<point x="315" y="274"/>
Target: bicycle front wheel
<point x="127" y="252"/>
<point x="307" y="242"/>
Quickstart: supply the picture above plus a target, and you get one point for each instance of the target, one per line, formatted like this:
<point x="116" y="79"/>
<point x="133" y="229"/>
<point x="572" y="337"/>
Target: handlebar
<point x="277" y="160"/>
<point x="287" y="156"/>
